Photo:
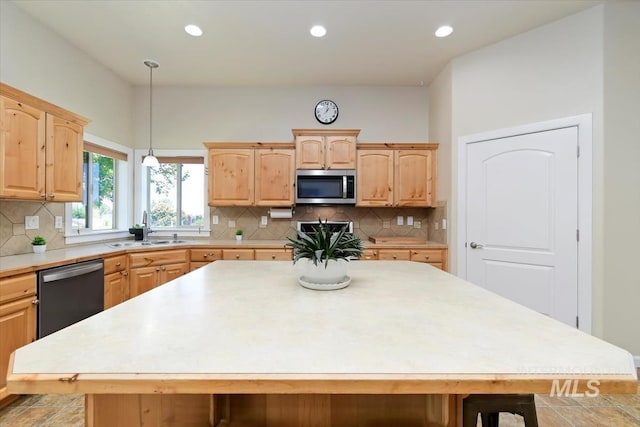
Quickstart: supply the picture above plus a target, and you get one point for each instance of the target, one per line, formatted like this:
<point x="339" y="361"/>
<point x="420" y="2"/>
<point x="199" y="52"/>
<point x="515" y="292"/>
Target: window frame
<point x="141" y="189"/>
<point x="122" y="199"/>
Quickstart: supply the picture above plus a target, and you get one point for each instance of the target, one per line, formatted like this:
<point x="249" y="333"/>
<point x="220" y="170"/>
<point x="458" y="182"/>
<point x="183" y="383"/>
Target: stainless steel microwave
<point x="326" y="187"/>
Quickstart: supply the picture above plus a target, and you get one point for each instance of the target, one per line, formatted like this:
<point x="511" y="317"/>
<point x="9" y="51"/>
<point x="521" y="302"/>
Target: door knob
<point x="475" y="245"/>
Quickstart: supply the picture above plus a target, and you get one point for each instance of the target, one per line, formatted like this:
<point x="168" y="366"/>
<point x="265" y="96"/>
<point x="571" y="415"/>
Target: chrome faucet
<point x="145" y="226"/>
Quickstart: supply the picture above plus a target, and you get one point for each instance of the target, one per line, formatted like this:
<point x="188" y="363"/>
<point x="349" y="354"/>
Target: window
<point x="175" y="193"/>
<point x="98" y="207"/>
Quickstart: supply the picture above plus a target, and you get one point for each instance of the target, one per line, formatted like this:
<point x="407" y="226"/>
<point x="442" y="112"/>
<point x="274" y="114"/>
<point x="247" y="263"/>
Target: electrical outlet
<point x="232" y="224"/>
<point x="409" y="220"/>
<point x="444" y="223"/>
<point x="31" y="222"/>
<point x="417" y="224"/>
<point x="263" y="220"/>
<point x="386" y="224"/>
<point x="58" y="223"/>
<point x="215" y="220"/>
<point x="400" y="220"/>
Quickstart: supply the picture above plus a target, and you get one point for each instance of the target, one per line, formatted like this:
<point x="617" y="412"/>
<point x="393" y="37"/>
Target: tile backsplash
<point x="14" y="239"/>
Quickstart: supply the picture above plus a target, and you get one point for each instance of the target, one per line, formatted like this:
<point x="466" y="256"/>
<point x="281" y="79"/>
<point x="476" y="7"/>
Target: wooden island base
<point x="270" y="410"/>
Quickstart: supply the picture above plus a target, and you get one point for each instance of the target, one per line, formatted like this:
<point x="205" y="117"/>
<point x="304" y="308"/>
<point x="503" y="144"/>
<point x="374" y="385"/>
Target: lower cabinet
<point x="17" y="319"/>
<point x="434" y="257"/>
<point x="151" y="269"/>
<point x="201" y="257"/>
<point x="116" y="280"/>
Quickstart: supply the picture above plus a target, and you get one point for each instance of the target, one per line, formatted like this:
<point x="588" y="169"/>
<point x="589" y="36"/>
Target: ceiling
<point x="267" y="43"/>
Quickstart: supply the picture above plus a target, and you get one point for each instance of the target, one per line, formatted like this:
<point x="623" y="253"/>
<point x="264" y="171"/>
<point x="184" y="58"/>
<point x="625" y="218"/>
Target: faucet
<point x="145" y="226"/>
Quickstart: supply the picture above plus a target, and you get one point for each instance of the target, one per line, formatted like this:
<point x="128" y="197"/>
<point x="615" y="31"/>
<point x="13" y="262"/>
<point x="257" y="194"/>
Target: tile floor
<point x="602" y="411"/>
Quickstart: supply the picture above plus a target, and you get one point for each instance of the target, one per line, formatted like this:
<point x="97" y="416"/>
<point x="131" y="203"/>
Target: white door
<point x="522" y="219"/>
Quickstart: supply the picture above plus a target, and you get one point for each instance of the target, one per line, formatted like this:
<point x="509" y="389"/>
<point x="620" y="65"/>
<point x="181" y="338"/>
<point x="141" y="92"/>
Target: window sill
<point x="82" y="236"/>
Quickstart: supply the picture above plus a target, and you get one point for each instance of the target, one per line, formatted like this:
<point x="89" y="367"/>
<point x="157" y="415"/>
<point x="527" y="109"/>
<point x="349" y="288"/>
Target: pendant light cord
<point x="151" y="110"/>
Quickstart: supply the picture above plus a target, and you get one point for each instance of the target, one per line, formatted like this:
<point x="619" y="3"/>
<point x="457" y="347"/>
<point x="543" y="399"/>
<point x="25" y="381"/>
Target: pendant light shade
<point x="150" y="160"/>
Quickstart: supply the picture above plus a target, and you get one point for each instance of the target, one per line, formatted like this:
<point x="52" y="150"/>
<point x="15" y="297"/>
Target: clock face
<point x="326" y="112"/>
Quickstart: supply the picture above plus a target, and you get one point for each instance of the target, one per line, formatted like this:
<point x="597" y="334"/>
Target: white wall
<point x="440" y="110"/>
<point x="41" y="63"/>
<point x="184" y="117"/>
<point x="622" y="175"/>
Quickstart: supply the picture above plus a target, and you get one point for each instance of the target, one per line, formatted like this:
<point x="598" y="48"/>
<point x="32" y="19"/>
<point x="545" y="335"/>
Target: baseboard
<point x="636" y="361"/>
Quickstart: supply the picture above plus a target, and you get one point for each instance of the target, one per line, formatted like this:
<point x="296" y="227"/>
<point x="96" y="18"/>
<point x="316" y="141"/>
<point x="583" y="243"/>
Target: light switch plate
<point x="263" y="220"/>
<point x="417" y="224"/>
<point x="386" y="223"/>
<point x="444" y="223"/>
<point x="232" y="224"/>
<point x="58" y="223"/>
<point x="400" y="220"/>
<point x="409" y="220"/>
<point x="215" y="220"/>
<point x="31" y="222"/>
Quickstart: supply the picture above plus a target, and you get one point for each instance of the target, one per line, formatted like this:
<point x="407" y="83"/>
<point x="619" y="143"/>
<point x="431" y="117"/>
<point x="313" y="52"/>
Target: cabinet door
<point x="115" y="263"/>
<point x="413" y="180"/>
<point x="310" y="152"/>
<point x="22" y="150"/>
<point x="17" y="328"/>
<point x="205" y="255"/>
<point x="375" y="178"/>
<point x="116" y="288"/>
<point x="340" y="152"/>
<point x="275" y="171"/>
<point x="172" y="271"/>
<point x="64" y="160"/>
<point x="143" y="279"/>
<point x="369" y="255"/>
<point x="231" y="177"/>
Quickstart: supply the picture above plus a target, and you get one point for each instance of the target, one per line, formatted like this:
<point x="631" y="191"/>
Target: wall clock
<point x="326" y="112"/>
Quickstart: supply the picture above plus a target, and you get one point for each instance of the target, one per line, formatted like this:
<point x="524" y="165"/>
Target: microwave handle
<point x="344" y="186"/>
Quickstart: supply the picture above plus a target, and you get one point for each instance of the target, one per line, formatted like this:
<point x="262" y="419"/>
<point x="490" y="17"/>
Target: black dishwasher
<point x="68" y="294"/>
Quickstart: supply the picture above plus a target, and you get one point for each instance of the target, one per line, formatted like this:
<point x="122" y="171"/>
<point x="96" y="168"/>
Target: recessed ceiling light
<point x="318" y="31"/>
<point x="193" y="30"/>
<point x="444" y="31"/>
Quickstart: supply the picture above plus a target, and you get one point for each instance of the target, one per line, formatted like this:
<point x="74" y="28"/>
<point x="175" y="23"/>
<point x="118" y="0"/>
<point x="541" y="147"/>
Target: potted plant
<point x="239" y="233"/>
<point x="39" y="245"/>
<point x="324" y="256"/>
<point x="137" y="232"/>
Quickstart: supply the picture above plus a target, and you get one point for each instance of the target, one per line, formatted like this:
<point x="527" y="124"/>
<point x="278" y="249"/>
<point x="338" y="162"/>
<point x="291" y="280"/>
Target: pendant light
<point x="150" y="160"/>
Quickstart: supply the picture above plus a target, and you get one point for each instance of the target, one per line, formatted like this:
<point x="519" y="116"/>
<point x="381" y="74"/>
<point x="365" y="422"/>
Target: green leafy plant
<point x="322" y="245"/>
<point x="239" y="232"/>
<point x="38" y="241"/>
<point x="137" y="226"/>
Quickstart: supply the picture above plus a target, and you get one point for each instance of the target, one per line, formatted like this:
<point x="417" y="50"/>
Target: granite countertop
<point x="24" y="263"/>
<point x="241" y="322"/>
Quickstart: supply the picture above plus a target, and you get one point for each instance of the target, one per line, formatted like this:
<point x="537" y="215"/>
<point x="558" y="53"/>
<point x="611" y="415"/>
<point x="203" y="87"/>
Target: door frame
<point x="585" y="195"/>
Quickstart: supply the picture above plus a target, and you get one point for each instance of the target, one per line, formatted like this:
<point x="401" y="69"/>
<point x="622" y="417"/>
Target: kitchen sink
<point x="136" y="243"/>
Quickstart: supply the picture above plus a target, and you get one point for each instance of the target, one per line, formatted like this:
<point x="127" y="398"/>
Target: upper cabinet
<point x="251" y="174"/>
<point x="40" y="149"/>
<point x="396" y="175"/>
<point x="325" y="149"/>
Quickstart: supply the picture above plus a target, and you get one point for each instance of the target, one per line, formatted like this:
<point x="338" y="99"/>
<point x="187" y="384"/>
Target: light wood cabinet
<point x="238" y="254"/>
<point x="251" y="174"/>
<point x="17" y="319"/>
<point x="116" y="281"/>
<point x="152" y="269"/>
<point x="273" y="254"/>
<point x="274" y="177"/>
<point x="390" y="176"/>
<point x="325" y="149"/>
<point x="40" y="149"/>
<point x="434" y="257"/>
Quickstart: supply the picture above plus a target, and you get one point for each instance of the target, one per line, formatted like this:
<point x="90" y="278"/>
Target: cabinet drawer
<point x="394" y="254"/>
<point x="15" y="287"/>
<point x="158" y="257"/>
<point x="206" y="254"/>
<point x="194" y="265"/>
<point x="426" y="255"/>
<point x="238" y="254"/>
<point x="115" y="263"/>
<point x="369" y="255"/>
<point x="274" y="255"/>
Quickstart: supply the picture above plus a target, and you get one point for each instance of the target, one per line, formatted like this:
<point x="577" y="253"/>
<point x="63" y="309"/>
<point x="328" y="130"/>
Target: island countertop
<point x="246" y="327"/>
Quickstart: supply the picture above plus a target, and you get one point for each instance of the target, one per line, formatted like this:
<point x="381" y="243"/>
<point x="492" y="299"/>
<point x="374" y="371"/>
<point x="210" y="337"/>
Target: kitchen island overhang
<point x="248" y="327"/>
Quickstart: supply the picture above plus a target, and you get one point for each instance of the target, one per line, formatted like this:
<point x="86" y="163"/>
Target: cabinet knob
<point x="52" y="196"/>
<point x="395" y="257"/>
<point x="118" y="264"/>
<point x="125" y="273"/>
<point x="157" y="268"/>
<point x="426" y="257"/>
<point x="375" y="253"/>
<point x="237" y="256"/>
<point x="35" y="301"/>
<point x="43" y="195"/>
<point x="164" y="268"/>
<point x="273" y="257"/>
<point x="205" y="255"/>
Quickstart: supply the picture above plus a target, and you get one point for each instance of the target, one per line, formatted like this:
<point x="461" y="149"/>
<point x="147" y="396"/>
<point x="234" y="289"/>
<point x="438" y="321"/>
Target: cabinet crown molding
<point x="242" y="145"/>
<point x="325" y="132"/>
<point x="397" y="145"/>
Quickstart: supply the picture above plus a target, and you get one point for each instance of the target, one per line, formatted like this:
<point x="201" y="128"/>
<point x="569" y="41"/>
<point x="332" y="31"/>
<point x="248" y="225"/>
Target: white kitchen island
<point x="241" y="343"/>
